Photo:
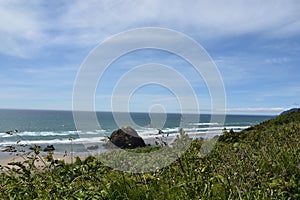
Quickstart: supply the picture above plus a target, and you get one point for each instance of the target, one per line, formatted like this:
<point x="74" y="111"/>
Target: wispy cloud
<point x="30" y="24"/>
<point x="20" y="27"/>
<point x="210" y="19"/>
<point x="49" y="70"/>
<point x="256" y="110"/>
<point x="276" y="60"/>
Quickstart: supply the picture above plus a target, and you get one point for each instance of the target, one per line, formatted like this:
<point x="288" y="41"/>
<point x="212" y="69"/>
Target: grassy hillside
<point x="262" y="162"/>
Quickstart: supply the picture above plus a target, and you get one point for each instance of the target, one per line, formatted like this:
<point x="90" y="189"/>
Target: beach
<point x="57" y="128"/>
<point x="5" y="160"/>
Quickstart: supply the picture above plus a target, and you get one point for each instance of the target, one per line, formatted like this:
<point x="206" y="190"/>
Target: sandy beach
<point x="67" y="158"/>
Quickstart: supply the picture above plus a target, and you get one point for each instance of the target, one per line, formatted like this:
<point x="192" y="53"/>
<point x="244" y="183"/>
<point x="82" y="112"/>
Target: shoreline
<point x="6" y="158"/>
<point x="17" y="158"/>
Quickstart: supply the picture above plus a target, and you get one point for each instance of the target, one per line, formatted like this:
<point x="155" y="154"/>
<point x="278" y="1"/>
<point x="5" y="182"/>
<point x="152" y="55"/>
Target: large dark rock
<point x="49" y="148"/>
<point x="126" y="138"/>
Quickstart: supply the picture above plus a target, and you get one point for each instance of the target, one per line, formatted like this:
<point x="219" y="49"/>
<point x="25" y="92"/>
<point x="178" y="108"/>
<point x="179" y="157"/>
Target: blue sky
<point x="254" y="44"/>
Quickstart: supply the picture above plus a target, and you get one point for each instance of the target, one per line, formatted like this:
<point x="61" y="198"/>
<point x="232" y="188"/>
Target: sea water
<point x="57" y="128"/>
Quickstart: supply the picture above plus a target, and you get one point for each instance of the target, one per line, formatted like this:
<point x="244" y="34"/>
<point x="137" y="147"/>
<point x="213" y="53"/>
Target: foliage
<point x="262" y="162"/>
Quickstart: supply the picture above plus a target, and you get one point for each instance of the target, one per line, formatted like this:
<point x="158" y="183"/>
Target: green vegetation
<point x="261" y="162"/>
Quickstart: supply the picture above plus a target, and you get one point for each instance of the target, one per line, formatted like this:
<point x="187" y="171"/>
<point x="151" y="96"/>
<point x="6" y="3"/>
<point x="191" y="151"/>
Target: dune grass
<point x="261" y="162"/>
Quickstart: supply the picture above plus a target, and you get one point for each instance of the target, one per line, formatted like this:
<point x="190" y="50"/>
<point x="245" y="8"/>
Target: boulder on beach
<point x="126" y="138"/>
<point x="49" y="148"/>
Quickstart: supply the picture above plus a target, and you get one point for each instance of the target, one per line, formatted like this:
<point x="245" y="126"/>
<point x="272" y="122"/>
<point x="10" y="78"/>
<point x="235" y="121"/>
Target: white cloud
<point x="256" y="110"/>
<point x="20" y="27"/>
<point x="210" y="19"/>
<point x="46" y="71"/>
<point x="25" y="26"/>
<point x="277" y="60"/>
<point x="16" y="18"/>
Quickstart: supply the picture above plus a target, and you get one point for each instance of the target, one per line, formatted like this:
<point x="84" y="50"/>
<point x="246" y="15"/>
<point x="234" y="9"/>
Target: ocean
<point x="57" y="128"/>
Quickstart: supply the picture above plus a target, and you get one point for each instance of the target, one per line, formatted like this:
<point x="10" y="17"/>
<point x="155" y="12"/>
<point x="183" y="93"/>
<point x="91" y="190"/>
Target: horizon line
<point x="107" y="111"/>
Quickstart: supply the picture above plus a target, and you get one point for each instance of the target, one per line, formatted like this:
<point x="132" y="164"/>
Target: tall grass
<point x="262" y="162"/>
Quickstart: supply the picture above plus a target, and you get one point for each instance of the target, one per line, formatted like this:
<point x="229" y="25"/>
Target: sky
<point x="255" y="46"/>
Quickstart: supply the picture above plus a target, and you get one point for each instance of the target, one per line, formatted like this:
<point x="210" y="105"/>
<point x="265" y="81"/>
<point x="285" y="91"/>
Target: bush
<point x="262" y="162"/>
